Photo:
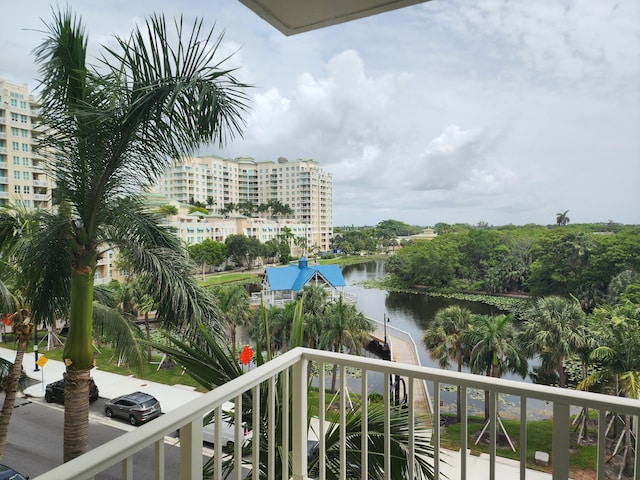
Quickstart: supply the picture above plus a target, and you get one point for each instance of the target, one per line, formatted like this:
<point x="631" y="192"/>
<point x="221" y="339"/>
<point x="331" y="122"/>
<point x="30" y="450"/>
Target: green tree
<point x="346" y="330"/>
<point x="494" y="349"/>
<point x="212" y="366"/>
<point x="22" y="328"/>
<point x="445" y="339"/>
<point x="315" y="300"/>
<point x="108" y="132"/>
<point x="15" y="225"/>
<point x="555" y="330"/>
<point x="432" y="263"/>
<point x="243" y="250"/>
<point x="167" y="210"/>
<point x="208" y="252"/>
<point x="562" y="219"/>
<point x="619" y="353"/>
<point x="235" y="306"/>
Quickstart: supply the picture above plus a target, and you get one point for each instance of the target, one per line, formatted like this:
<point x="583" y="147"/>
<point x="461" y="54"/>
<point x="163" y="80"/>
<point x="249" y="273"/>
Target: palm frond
<point x="154" y="251"/>
<point x="45" y="266"/>
<point x="120" y="330"/>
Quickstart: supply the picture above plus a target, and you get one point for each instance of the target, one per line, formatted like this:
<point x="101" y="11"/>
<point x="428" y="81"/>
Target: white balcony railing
<point x="293" y="364"/>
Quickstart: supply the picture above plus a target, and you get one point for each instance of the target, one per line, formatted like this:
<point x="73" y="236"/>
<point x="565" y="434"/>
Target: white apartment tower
<point x="218" y="182"/>
<point x="22" y="182"/>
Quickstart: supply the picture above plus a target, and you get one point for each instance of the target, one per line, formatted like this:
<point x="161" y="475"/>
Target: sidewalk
<point x="110" y="385"/>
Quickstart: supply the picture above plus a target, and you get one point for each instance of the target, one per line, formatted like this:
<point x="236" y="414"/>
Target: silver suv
<point x="137" y="407"/>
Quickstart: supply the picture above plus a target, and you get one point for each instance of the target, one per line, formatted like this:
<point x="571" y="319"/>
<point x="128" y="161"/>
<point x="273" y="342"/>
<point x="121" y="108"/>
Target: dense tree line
<point x="350" y="240"/>
<point x="578" y="260"/>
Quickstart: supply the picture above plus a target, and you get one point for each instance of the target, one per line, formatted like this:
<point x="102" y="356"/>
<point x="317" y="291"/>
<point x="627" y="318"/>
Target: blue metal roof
<point x="294" y="277"/>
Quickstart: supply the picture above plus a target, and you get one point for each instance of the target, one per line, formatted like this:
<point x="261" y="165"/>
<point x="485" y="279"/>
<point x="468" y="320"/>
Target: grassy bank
<point x="539" y="437"/>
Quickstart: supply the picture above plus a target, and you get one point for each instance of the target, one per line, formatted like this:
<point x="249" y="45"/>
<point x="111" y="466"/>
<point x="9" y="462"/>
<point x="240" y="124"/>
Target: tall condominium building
<point x="219" y="182"/>
<point x="22" y="182"/>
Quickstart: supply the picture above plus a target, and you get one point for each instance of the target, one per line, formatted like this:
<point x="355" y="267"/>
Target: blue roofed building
<point x="282" y="284"/>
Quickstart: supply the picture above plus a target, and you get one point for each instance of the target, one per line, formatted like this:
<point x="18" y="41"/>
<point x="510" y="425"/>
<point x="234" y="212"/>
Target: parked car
<point x="227" y="433"/>
<point x="7" y="473"/>
<point x="54" y="392"/>
<point x="137" y="407"/>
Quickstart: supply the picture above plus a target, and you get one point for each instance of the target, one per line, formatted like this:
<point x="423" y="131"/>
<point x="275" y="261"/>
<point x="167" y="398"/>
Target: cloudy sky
<point x="448" y="111"/>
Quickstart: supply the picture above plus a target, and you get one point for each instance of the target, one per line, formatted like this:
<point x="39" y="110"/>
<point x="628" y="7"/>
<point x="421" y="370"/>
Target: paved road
<point x="34" y="443"/>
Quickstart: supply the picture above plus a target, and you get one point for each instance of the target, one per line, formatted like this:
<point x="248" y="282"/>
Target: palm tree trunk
<point x="233" y="342"/>
<point x="78" y="356"/>
<point x="76" y="408"/>
<point x="148" y="329"/>
<point x="561" y="375"/>
<point x="628" y="458"/>
<point x="10" y="387"/>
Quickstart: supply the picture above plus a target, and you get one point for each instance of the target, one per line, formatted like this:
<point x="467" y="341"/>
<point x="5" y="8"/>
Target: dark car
<point x="137" y="407"/>
<point x="54" y="392"/>
<point x="7" y="473"/>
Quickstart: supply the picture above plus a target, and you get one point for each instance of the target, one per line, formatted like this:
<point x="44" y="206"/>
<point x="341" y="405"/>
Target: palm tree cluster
<point x="311" y="320"/>
<point x="605" y="346"/>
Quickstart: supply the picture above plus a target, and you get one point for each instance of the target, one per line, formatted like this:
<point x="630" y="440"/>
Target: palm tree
<point x="13" y="223"/>
<point x="108" y="132"/>
<point x="23" y="329"/>
<point x="562" y="219"/>
<point x="314" y="304"/>
<point x="555" y="330"/>
<point x="445" y="340"/>
<point x="346" y="329"/>
<point x="211" y="365"/>
<point x="493" y="348"/>
<point x="619" y="353"/>
<point x="235" y="307"/>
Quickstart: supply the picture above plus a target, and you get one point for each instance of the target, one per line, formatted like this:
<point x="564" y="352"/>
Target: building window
<point x="15" y="145"/>
<point x="26" y="190"/>
<point x="16" y="175"/>
<point x="25" y="175"/>
<point x="14" y="117"/>
<point x="25" y="161"/>
<point x="14" y="102"/>
<point x="23" y="104"/>
<point x="27" y="203"/>
<point x="15" y="131"/>
<point x="24" y="133"/>
<point x="16" y="189"/>
<point x="25" y="147"/>
<point x="23" y="119"/>
<point x="16" y="160"/>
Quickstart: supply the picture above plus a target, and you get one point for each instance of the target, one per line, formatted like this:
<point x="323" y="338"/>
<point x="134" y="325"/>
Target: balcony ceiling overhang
<point x="297" y="16"/>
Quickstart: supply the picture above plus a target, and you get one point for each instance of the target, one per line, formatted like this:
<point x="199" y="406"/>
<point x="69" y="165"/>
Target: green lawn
<point x="582" y="457"/>
<point x="107" y="362"/>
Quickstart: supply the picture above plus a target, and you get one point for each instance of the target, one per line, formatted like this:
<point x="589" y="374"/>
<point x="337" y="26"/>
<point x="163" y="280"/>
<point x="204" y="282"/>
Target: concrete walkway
<point x="403" y="352"/>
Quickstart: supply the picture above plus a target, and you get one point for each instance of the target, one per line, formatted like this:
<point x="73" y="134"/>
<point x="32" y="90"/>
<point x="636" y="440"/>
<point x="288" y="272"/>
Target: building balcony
<point x="293" y="366"/>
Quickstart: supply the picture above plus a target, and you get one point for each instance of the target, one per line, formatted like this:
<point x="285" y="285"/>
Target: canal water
<point x="411" y="313"/>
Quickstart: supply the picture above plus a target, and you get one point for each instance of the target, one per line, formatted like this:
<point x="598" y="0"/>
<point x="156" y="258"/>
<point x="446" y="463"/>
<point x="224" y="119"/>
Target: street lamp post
<point x="35" y="345"/>
<point x="385" y="320"/>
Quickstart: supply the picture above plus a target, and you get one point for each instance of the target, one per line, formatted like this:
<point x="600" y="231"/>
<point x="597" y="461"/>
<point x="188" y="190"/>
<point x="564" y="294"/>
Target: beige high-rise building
<point x="218" y="182"/>
<point x="22" y="182"/>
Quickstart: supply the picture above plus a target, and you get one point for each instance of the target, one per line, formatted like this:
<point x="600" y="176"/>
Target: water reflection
<point x="412" y="313"/>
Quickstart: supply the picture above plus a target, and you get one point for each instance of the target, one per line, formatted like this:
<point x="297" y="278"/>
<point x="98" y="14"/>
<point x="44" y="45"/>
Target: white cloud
<point x="450" y="111"/>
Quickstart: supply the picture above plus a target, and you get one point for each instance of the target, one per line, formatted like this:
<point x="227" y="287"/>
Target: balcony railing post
<point x="191" y="450"/>
<point x="299" y="419"/>
<point x="560" y="442"/>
